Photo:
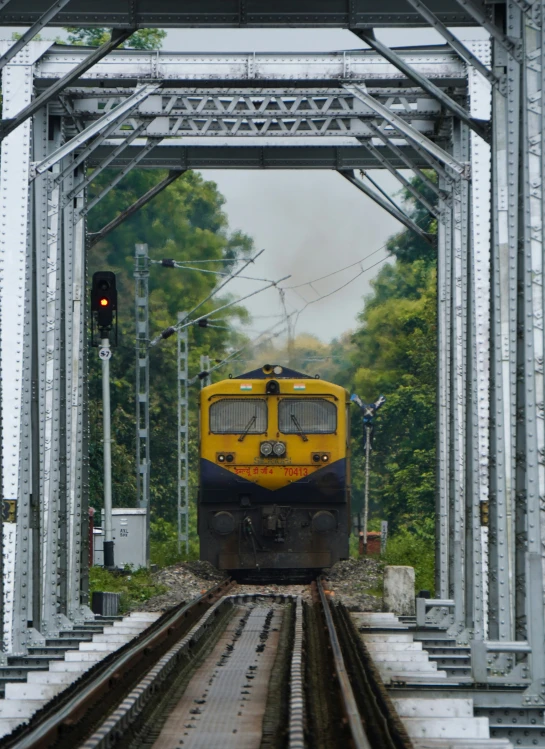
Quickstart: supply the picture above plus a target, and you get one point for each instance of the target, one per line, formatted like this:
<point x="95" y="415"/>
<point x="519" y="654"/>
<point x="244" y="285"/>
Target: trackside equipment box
<point x="129" y="537"/>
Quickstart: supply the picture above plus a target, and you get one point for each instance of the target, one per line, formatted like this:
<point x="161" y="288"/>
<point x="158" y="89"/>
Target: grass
<point x="135" y="587"/>
<point x="138" y="586"/>
<point x="406" y="549"/>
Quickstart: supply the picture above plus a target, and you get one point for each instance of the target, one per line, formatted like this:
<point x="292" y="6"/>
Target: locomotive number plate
<point x="295" y="471"/>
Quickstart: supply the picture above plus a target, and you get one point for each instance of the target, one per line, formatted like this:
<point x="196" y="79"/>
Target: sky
<point x="310" y="223"/>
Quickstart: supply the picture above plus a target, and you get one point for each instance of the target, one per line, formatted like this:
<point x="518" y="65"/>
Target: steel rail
<point x="349" y="704"/>
<point x="47" y="728"/>
<point x="132" y="706"/>
<point x="383" y="726"/>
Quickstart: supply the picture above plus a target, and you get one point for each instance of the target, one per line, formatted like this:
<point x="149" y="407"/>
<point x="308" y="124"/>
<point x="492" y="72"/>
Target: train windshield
<point x="307" y="415"/>
<point x="238" y="416"/>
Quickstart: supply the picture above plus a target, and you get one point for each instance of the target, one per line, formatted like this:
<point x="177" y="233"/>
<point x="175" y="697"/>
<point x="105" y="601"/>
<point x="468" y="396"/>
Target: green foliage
<point x="406" y="245"/>
<point x="186" y="221"/>
<point x="164" y="541"/>
<point x="394" y="353"/>
<point x="405" y="548"/>
<point x="141" y="39"/>
<point x="135" y="587"/>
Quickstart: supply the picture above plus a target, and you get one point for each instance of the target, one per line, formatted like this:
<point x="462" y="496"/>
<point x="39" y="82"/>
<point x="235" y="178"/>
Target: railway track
<point x="228" y="670"/>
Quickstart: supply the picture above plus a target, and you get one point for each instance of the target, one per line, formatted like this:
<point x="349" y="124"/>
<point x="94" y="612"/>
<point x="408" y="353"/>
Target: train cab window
<point x="307" y="415"/>
<point x="238" y="416"/>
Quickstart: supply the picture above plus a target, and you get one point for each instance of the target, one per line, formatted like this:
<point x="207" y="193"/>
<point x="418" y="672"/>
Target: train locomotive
<point x="274" y="489"/>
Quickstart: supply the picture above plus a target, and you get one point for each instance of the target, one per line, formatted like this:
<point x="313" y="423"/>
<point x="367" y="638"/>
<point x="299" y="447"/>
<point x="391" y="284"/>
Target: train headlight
<point x="279" y="449"/>
<point x="266" y="449"/>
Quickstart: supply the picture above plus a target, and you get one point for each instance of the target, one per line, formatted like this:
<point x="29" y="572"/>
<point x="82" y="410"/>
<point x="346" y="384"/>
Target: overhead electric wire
<point x="335" y="272"/>
<point x="287" y="317"/>
<point x="253" y="342"/>
<point x="339" y="288"/>
<point x="211" y="260"/>
<point x="182" y="324"/>
<point x="221" y="286"/>
<point x="219" y="273"/>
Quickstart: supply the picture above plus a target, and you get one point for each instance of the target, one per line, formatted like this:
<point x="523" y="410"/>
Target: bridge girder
<point x="252" y="111"/>
<point x="234" y="14"/>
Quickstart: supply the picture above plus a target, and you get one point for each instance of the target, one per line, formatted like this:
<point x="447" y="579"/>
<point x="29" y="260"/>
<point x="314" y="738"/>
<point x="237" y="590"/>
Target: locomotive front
<point x="274" y="473"/>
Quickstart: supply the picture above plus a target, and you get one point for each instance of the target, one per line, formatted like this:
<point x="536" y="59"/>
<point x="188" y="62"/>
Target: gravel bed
<point x="357" y="583"/>
<point x="184" y="581"/>
<point x="288" y="590"/>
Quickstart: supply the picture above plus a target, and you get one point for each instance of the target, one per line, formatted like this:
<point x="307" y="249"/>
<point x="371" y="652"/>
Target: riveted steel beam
<point x="30" y="33"/>
<point x="117" y="179"/>
<point x="11" y="124"/>
<point x="83" y="155"/>
<point x="383" y="161"/>
<point x="390" y="208"/>
<point x="465" y="53"/>
<point x="432" y="148"/>
<point x="482" y="19"/>
<point x="218" y="14"/>
<point x="132" y="209"/>
<point x="107" y="161"/>
<point x="409" y="163"/>
<point x="426" y="85"/>
<point x="114" y="116"/>
<point x="213" y="69"/>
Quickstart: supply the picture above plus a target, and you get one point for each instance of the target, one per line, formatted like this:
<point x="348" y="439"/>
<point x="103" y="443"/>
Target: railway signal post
<point x="368" y="411"/>
<point x="103" y="308"/>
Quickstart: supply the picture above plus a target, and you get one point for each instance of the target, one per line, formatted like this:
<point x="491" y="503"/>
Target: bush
<point x="407" y="549"/>
<point x="164" y="543"/>
<point x="135" y="587"/>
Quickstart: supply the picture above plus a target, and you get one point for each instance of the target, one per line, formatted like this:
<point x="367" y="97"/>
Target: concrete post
<point x="399" y="590"/>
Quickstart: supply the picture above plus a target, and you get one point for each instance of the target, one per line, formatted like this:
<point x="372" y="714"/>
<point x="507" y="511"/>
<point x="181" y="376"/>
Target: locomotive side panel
<point x="273" y="473"/>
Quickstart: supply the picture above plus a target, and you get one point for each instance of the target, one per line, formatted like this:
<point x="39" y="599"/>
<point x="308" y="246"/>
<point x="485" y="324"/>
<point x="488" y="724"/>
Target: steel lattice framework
<point x="473" y="113"/>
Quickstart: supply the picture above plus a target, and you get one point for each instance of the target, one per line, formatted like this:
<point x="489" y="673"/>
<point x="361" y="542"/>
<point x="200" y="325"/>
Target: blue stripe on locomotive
<point x="327" y="484"/>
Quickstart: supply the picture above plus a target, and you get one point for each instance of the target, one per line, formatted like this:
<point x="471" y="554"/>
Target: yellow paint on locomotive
<point x="299" y="459"/>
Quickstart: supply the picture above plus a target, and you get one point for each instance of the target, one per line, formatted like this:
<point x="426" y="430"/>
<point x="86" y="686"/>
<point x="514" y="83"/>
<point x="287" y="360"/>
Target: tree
<point x="94" y="37"/>
<point x="394" y="353"/>
<point x="184" y="222"/>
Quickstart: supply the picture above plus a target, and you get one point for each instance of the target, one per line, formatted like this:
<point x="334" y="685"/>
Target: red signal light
<point x="104" y="302"/>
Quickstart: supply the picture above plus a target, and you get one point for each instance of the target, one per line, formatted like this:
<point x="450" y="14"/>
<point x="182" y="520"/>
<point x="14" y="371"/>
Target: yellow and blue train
<point x="274" y="489"/>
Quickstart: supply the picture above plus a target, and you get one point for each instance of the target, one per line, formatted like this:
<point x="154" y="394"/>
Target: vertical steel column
<point x="460" y="233"/>
<point x="143" y="463"/>
<point x="63" y="524"/>
<point x="183" y="437"/>
<point x="75" y="351"/>
<point x="47" y="327"/>
<point x="478" y="350"/>
<point x="503" y="335"/>
<point x="444" y="261"/>
<point x="16" y="348"/>
<point x="529" y="613"/>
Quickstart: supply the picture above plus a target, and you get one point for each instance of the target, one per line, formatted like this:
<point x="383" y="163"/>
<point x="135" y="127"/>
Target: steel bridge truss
<point x="471" y="112"/>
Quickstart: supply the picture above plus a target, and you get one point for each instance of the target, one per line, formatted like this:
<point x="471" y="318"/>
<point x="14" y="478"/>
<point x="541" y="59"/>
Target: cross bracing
<point x="299" y="99"/>
<point x="473" y="117"/>
<point x="308" y="100"/>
